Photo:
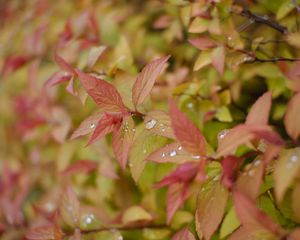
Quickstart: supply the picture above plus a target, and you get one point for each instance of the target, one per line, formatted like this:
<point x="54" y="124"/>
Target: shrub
<point x="192" y="108"/>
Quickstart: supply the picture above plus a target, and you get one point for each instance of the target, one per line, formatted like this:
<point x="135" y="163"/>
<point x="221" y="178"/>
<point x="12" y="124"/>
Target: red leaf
<point x="202" y="43"/>
<point x="292" y="126"/>
<point x="13" y="63"/>
<point x="218" y="59"/>
<point x="122" y="140"/>
<point x="295" y="235"/>
<point x="183" y="234"/>
<point x="259" y="113"/>
<point x="229" y="165"/>
<point x="81" y="166"/>
<point x="58" y="77"/>
<point x="186" y="132"/>
<point x="210" y="209"/>
<point x="184" y="173"/>
<point x="176" y="196"/>
<point x="146" y="79"/>
<point x="107" y="124"/>
<point x="251" y="217"/>
<point x="87" y="126"/>
<point x="103" y="93"/>
<point x="63" y="64"/>
<point x="45" y="232"/>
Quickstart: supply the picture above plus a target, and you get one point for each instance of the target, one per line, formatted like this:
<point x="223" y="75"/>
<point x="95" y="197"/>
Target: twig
<point x="123" y="228"/>
<point x="296" y="5"/>
<point x="264" y="20"/>
<point x="275" y="59"/>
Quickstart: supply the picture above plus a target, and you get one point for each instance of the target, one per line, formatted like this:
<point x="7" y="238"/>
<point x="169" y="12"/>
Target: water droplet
<point x="144" y="150"/>
<point x="257" y="162"/>
<point x="130" y="164"/>
<point x="173" y="153"/>
<point x="151" y="124"/>
<point x="251" y="173"/>
<point x="66" y="74"/>
<point x="89" y="218"/>
<point x="163" y="129"/>
<point x="163" y="155"/>
<point x="49" y="206"/>
<point x="196" y="157"/>
<point x="294" y="159"/>
<point x="190" y="105"/>
<point x="203" y="189"/>
<point x="92" y="125"/>
<point x="133" y="129"/>
<point x="222" y="134"/>
<point x="248" y="58"/>
<point x="180" y="148"/>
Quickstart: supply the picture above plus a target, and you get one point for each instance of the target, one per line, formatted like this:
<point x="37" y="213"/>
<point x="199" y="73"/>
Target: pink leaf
<point x="250" y="180"/>
<point x="63" y="64"/>
<point x="171" y="153"/>
<point x="292" y="126"/>
<point x="259" y="113"/>
<point x="107" y="124"/>
<point x="218" y="59"/>
<point x="146" y="79"/>
<point x="229" y="164"/>
<point x="103" y="93"/>
<point x="70" y="208"/>
<point x="210" y="209"/>
<point x="13" y="63"/>
<point x="87" y="126"/>
<point x="81" y="166"/>
<point x="122" y="140"/>
<point x="251" y="216"/>
<point x="183" y="234"/>
<point x="186" y="132"/>
<point x="202" y="43"/>
<point x="45" y="232"/>
<point x="176" y="196"/>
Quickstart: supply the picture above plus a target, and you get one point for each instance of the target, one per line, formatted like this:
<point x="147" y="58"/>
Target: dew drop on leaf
<point x="151" y="124"/>
<point x="173" y="153"/>
<point x="222" y="134"/>
<point x="180" y="148"/>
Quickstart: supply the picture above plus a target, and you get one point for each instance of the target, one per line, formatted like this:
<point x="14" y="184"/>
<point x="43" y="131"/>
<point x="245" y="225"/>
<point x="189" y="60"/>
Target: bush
<point x="192" y="108"/>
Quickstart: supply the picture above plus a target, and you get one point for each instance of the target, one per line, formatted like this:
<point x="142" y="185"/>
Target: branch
<point x="263" y="20"/>
<point x="275" y="59"/>
<point x="296" y="5"/>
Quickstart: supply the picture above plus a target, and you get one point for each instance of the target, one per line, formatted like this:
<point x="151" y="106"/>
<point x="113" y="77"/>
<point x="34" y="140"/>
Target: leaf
<point x="295" y="234"/>
<point x="135" y="214"/>
<point x="146" y="79"/>
<point x="253" y="218"/>
<point x="199" y="25"/>
<point x="292" y="113"/>
<point x="183" y="234"/>
<point x="45" y="233"/>
<point x="171" y="153"/>
<point x="143" y="145"/>
<point x="63" y="64"/>
<point x="230" y="223"/>
<point x="159" y="123"/>
<point x="210" y="209"/>
<point x="122" y="140"/>
<point x="81" y="166"/>
<point x="94" y="54"/>
<point x="103" y="93"/>
<point x="259" y="113"/>
<point x="202" y="43"/>
<point x="250" y="180"/>
<point x="203" y="60"/>
<point x="176" y="196"/>
<point x="107" y="124"/>
<point x="242" y="134"/>
<point x="87" y="126"/>
<point x="218" y="59"/>
<point x="286" y="169"/>
<point x="296" y="202"/>
<point x="70" y="208"/>
<point x="62" y="124"/>
<point x="186" y="132"/>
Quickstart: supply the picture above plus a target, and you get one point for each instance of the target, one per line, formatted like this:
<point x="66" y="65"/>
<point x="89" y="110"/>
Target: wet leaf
<point x="292" y="113"/>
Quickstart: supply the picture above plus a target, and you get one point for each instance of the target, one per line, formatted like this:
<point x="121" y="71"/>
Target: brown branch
<point x="275" y="59"/>
<point x="264" y="20"/>
<point x="118" y="228"/>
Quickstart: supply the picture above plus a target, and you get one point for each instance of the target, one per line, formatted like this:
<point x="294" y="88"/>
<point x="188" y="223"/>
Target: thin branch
<point x="264" y="20"/>
<point x="123" y="228"/>
<point x="275" y="59"/>
<point x="296" y="5"/>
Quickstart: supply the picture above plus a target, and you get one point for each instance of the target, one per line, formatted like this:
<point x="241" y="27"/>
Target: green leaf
<point x="230" y="223"/>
